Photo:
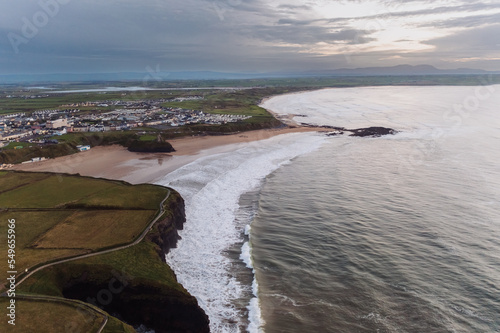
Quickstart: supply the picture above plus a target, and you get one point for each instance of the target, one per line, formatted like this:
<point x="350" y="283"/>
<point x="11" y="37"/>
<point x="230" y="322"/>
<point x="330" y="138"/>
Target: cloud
<point x="474" y="21"/>
<point x="469" y="43"/>
<point x="237" y="35"/>
<point x="306" y="7"/>
<point x="307" y="35"/>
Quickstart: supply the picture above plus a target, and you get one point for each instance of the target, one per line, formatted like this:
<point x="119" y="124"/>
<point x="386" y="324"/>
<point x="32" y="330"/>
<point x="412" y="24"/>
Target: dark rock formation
<point x="139" y="302"/>
<point x="150" y="147"/>
<point x="372" y="131"/>
<point x="335" y="133"/>
<point x="164" y="233"/>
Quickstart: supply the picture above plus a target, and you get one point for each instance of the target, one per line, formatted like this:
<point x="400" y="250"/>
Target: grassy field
<point x="13" y="145"/>
<point x="116" y="326"/>
<point x="46" y="190"/>
<point x="147" y="279"/>
<point x="134" y="264"/>
<point x="57" y="101"/>
<point x="27" y="153"/>
<point x="147" y="137"/>
<point x="47" y="316"/>
<point x="60" y="215"/>
<point x="29" y="227"/>
<point x="93" y="229"/>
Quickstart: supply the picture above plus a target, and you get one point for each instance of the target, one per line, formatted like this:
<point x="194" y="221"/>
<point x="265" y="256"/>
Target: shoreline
<point x="116" y="162"/>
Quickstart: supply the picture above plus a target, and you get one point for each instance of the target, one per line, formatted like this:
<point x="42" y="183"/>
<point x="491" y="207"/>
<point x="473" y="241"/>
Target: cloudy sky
<point x="61" y="36"/>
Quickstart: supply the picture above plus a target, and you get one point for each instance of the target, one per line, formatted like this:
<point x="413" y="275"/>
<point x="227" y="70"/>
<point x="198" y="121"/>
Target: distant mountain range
<point x="209" y="75"/>
<point x="403" y="70"/>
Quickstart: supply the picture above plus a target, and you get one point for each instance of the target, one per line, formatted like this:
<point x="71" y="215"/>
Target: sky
<point x="87" y="36"/>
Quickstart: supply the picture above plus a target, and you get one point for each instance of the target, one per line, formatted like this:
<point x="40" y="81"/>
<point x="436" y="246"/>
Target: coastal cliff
<point x="164" y="232"/>
<point x="159" y="304"/>
<point x="131" y="283"/>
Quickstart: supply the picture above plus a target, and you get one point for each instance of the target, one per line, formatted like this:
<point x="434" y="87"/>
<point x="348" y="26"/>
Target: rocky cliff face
<point x="164" y="233"/>
<point x="164" y="306"/>
<point x="173" y="313"/>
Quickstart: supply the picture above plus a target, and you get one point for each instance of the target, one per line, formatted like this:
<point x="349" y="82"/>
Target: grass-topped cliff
<point x="122" y="282"/>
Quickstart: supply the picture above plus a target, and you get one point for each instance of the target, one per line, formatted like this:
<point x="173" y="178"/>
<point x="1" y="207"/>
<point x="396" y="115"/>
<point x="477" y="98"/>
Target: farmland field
<point x="59" y="216"/>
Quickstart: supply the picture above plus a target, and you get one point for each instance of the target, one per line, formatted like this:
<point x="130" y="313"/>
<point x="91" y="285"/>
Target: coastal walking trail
<point x="88" y="255"/>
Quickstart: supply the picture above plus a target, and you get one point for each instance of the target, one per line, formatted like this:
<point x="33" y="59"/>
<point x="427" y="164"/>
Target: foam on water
<point x="254" y="312"/>
<point x="255" y="316"/>
<point x="211" y="187"/>
<point x="248" y="229"/>
<point x="246" y="255"/>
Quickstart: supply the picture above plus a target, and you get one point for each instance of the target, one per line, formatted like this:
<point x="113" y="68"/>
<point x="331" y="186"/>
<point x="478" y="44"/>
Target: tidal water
<point x="308" y="233"/>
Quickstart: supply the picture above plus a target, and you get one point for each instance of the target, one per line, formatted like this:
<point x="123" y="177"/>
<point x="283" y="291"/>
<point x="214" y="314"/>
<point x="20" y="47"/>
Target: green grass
<point x="29" y="226"/>
<point x="48" y="151"/>
<point x="116" y="326"/>
<point x="12" y="145"/>
<point x="46" y="229"/>
<point x="101" y="214"/>
<point x="93" y="230"/>
<point x="137" y="264"/>
<point x="147" y="137"/>
<point x="139" y="269"/>
<point x="241" y="102"/>
<point x="97" y="139"/>
<point x="52" y="192"/>
<point x="56" y="101"/>
<point x="10" y="180"/>
<point x="46" y="190"/>
<point x="67" y="145"/>
<point x="128" y="197"/>
<point x="51" y="316"/>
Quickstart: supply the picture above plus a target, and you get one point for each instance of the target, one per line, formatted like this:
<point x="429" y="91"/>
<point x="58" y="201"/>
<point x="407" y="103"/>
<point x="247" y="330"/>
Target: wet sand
<point x="116" y="162"/>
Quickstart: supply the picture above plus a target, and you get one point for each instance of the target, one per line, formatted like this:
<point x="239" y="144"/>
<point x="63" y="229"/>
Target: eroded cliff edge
<point x="133" y="284"/>
<point x="158" y="303"/>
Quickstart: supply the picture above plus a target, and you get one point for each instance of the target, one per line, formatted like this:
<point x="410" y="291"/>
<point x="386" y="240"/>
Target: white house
<point x="83" y="148"/>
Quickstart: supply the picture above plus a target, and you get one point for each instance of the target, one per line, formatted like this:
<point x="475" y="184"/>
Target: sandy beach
<point x="116" y="162"/>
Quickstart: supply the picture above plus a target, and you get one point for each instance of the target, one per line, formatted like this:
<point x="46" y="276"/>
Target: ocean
<point x="312" y="233"/>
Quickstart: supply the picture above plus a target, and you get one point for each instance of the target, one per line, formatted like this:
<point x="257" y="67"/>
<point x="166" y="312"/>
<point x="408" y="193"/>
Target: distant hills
<point x="403" y="70"/>
<point x="149" y="77"/>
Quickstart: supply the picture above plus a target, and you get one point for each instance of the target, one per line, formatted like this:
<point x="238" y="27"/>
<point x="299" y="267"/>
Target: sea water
<point x="308" y="233"/>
